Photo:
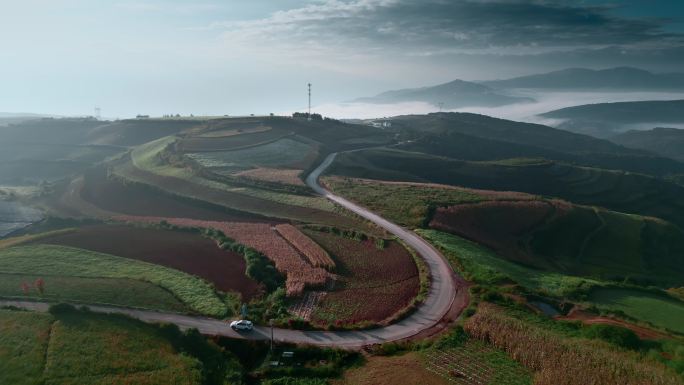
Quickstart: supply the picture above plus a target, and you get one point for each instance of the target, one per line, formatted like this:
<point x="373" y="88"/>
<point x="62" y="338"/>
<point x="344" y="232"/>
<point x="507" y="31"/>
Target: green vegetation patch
<point x="24" y="338"/>
<point x="114" y="291"/>
<point x="407" y="204"/>
<point x="47" y="260"/>
<point x="284" y="152"/>
<point x="482" y="265"/>
<point x="85" y="348"/>
<point x="659" y="310"/>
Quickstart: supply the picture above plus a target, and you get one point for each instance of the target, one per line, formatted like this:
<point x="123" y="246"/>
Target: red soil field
<point x="262" y="237"/>
<point x="136" y="199"/>
<point x="372" y="285"/>
<point x="315" y="254"/>
<point x="183" y="251"/>
<point x="496" y="224"/>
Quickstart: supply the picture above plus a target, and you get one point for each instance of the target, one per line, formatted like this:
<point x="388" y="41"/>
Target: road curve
<point x="437" y="303"/>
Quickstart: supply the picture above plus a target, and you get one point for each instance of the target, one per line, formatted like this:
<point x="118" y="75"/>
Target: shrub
<point x="62" y="308"/>
<point x="614" y="334"/>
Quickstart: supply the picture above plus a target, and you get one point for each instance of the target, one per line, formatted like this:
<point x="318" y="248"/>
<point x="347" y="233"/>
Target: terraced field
<point x="178" y="250"/>
<point x="373" y="284"/>
<point x="615" y="190"/>
<point x="282" y="153"/>
<point x="50" y="260"/>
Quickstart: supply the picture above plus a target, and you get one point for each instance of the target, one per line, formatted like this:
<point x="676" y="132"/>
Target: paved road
<point x="440" y="297"/>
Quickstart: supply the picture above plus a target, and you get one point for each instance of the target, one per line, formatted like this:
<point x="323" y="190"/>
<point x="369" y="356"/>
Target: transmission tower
<point x="97" y="113"/>
<point x="309" y="116"/>
<point x="440" y="104"/>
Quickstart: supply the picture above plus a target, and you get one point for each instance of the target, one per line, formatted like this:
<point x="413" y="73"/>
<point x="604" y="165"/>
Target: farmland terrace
<point x="446" y="292"/>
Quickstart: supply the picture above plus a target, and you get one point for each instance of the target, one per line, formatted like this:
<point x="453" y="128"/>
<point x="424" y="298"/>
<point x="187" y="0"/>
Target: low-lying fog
<point x="526" y="112"/>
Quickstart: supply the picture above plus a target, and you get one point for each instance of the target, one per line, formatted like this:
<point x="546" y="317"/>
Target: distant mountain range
<point x="620" y="78"/>
<point x="455" y="94"/>
<point x="494" y="93"/>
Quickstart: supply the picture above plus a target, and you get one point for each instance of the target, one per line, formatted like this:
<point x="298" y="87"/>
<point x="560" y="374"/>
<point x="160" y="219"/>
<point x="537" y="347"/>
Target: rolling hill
<point x="619" y="78"/>
<point x="663" y="141"/>
<point x="616" y="190"/>
<point x="455" y="94"/>
<point x="478" y="137"/>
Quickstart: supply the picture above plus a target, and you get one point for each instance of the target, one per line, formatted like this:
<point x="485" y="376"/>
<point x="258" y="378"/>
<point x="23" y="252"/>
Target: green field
<point x="286" y="152"/>
<point x="37" y="349"/>
<point x="48" y="260"/>
<point x="114" y="291"/>
<point x="402" y="203"/>
<point x="659" y="310"/>
<point x="484" y="266"/>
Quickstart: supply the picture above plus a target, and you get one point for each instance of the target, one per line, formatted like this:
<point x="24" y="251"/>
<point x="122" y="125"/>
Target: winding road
<point x="428" y="314"/>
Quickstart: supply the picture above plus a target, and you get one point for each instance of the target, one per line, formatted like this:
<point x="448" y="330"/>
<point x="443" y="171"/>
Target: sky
<point x="237" y="57"/>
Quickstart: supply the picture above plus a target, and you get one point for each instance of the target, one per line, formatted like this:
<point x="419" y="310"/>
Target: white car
<point x="242" y="325"/>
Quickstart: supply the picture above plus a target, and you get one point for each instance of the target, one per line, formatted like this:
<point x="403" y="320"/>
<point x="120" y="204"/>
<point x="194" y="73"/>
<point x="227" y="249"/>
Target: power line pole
<point x="309" y="116"/>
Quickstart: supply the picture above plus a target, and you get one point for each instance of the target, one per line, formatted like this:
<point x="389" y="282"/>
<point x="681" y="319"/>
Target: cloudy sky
<point x="256" y="56"/>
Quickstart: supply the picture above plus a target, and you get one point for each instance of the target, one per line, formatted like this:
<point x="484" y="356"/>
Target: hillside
<point x="478" y="137"/>
<point x="538" y="233"/>
<point x="665" y="111"/>
<point x="616" y="190"/>
<point x="663" y="141"/>
<point x="455" y="94"/>
<point x="619" y="78"/>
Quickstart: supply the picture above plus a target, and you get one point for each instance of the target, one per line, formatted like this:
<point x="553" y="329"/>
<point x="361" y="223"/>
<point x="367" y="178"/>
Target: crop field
<point x="555" y="355"/>
<point x="273" y="175"/>
<point x="251" y="200"/>
<point x="88" y="349"/>
<point x="113" y="291"/>
<point x="482" y="265"/>
<point x="496" y="224"/>
<point x="402" y="369"/>
<point x="316" y="256"/>
<point x="264" y="238"/>
<point x="373" y="284"/>
<point x="474" y="362"/>
<point x="283" y="153"/>
<point x="187" y="252"/>
<point x="615" y="190"/>
<point x="233" y="142"/>
<point x="46" y="260"/>
<point x="233" y="131"/>
<point x="659" y="310"/>
<point x="409" y="203"/>
<point x="130" y="198"/>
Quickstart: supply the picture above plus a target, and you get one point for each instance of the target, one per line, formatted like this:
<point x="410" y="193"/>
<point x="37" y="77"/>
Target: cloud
<point x="438" y="27"/>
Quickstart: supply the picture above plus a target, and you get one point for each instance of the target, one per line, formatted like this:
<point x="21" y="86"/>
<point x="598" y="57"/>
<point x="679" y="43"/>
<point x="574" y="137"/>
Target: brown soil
<point x="407" y="369"/>
<point x="372" y="284"/>
<point x="183" y="251"/>
<point x="590" y="319"/>
<point x="137" y="199"/>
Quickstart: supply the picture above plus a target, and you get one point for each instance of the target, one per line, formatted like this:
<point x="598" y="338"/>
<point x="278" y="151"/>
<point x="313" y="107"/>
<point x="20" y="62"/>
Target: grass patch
<point x="659" y="310"/>
<point x="483" y="266"/>
<point x="68" y="261"/>
<point x="109" y="291"/>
